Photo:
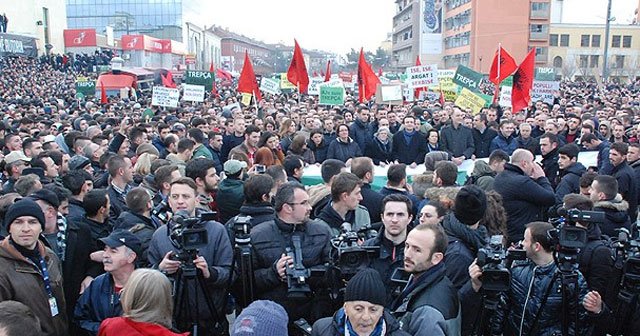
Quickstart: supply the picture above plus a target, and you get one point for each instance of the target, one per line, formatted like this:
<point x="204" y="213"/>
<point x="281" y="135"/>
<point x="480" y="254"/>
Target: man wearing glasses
<point x="270" y="241"/>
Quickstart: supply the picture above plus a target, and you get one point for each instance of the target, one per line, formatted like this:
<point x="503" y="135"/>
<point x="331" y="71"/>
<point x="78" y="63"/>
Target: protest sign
<point x="544" y="90"/>
<point x="193" y="93"/>
<point x="333" y="83"/>
<point x="314" y="89"/>
<point x="331" y="95"/>
<point x="467" y="78"/>
<point x="445" y="80"/>
<point x="204" y="78"/>
<point x="285" y="84"/>
<point x="269" y="85"/>
<point x="164" y="96"/>
<point x="505" y="96"/>
<point x="545" y="74"/>
<point x="470" y="100"/>
<point x="246" y="99"/>
<point x="86" y="88"/>
<point x="422" y="76"/>
<point x="389" y="94"/>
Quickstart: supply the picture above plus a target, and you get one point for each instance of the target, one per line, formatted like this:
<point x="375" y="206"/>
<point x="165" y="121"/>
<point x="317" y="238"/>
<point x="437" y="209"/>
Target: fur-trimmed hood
<point x="617" y="204"/>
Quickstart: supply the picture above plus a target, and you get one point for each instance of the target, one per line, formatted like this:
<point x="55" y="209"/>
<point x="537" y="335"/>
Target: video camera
<point x="347" y="255"/>
<point x="188" y="235"/>
<point x="495" y="262"/>
<point x="297" y="274"/>
<point x="567" y="239"/>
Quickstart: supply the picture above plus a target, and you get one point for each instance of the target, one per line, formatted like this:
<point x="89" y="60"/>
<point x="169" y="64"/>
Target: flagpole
<point x="499" y="49"/>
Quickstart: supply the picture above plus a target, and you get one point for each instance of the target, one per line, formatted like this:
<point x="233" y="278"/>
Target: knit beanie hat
<point x="471" y="204"/>
<point x="261" y="317"/>
<point x="366" y="285"/>
<point x="24" y="207"/>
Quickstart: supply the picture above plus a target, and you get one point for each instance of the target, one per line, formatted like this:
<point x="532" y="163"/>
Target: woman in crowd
<point x="147" y="307"/>
<point x="264" y="156"/>
<point x="318" y="146"/>
<point x="379" y="149"/>
<point x="287" y="132"/>
<point x="270" y="140"/>
<point x="433" y="140"/>
<point x="343" y="148"/>
<point x="270" y="126"/>
<point x="299" y="147"/>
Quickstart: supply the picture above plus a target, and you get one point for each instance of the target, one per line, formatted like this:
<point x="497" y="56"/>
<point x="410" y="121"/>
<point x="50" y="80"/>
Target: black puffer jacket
<point x="331" y="326"/>
<point x="463" y="247"/>
<point x="343" y="151"/>
<point x="379" y="152"/>
<point x="616" y="215"/>
<point x="529" y="284"/>
<point x="569" y="181"/>
<point x="550" y="166"/>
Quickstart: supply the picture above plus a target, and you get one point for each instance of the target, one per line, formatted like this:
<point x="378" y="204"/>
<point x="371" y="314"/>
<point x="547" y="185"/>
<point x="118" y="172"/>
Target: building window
<point x="584" y="61"/>
<point x="564" y="40"/>
<point x="626" y="41"/>
<point x="595" y="41"/>
<point x="553" y="38"/>
<point x="557" y="62"/>
<point x="593" y="61"/>
<point x="619" y="62"/>
<point x="584" y="40"/>
<point x="615" y="41"/>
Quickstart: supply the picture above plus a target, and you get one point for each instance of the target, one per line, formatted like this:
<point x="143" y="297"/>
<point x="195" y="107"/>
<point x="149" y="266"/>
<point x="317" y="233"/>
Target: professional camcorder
<point x="495" y="262"/>
<point x="347" y="255"/>
<point x="188" y="235"/>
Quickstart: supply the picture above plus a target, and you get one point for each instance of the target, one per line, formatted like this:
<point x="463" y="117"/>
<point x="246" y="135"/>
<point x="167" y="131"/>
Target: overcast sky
<point x="339" y="25"/>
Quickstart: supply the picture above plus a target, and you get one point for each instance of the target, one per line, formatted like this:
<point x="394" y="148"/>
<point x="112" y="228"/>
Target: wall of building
<point x="27" y="18"/>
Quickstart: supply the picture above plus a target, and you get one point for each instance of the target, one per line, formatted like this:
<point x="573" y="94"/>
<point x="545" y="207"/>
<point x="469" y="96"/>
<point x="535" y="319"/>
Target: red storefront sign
<point x="132" y="42"/>
<point x="79" y="37"/>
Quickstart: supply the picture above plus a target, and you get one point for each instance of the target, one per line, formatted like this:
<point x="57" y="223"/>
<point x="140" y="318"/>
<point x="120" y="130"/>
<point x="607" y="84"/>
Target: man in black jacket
<point x="360" y="130"/>
<point x="570" y="172"/>
<point x="258" y="190"/>
<point x="396" y="217"/>
<point x="362" y="167"/>
<point x="121" y="172"/>
<point x="457" y="139"/>
<point x="526" y="192"/>
<point x="270" y="241"/>
<point x="409" y="145"/>
<point x="138" y="221"/>
<point x="549" y="150"/>
<point x="482" y="136"/>
<point x="627" y="184"/>
<point x="604" y="194"/>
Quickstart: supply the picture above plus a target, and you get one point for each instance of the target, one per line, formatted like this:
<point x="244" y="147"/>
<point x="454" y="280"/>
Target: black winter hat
<point x="24" y="207"/>
<point x="366" y="285"/>
<point x="471" y="204"/>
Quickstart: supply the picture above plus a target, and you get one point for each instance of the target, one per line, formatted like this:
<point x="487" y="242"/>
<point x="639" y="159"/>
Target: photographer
<point x="533" y="304"/>
<point x="396" y="217"/>
<point x="213" y="260"/>
<point x="269" y="242"/>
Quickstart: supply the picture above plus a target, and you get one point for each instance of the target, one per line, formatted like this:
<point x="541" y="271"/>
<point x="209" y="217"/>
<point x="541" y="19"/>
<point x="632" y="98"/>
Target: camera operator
<point x="269" y="241"/>
<point x="396" y="217"/>
<point x="345" y="204"/>
<point x="213" y="260"/>
<point x="533" y="304"/>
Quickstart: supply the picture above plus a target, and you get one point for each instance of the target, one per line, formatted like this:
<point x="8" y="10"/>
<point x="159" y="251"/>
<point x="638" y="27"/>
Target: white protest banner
<point x="269" y="85"/>
<point x="391" y="92"/>
<point x="544" y="90"/>
<point x="194" y="93"/>
<point x="333" y="83"/>
<point x="164" y="96"/>
<point x="422" y="76"/>
<point x="314" y="88"/>
<point x="505" y="96"/>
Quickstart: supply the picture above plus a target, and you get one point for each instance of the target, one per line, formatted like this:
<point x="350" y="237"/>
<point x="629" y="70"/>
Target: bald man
<point x="526" y="192"/>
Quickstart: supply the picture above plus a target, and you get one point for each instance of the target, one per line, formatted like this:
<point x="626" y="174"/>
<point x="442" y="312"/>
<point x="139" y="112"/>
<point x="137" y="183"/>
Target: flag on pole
<point x="167" y="80"/>
<point x="103" y="95"/>
<point x="367" y="79"/>
<point x="327" y="74"/>
<point x="297" y="73"/>
<point x="248" y="82"/>
<point x="503" y="66"/>
<point x="416" y="92"/>
<point x="211" y="67"/>
<point x="522" y="83"/>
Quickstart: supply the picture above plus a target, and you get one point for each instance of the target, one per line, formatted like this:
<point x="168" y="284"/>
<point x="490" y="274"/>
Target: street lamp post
<point x="607" y="28"/>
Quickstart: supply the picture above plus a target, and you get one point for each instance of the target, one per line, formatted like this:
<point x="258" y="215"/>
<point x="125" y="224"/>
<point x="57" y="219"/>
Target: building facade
<point x="577" y="50"/>
<point x="43" y="20"/>
<point x="233" y="47"/>
<point x="417" y="31"/>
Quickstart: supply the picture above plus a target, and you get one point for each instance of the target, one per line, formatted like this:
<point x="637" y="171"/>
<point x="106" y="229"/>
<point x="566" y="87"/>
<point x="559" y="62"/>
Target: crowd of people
<point x="97" y="201"/>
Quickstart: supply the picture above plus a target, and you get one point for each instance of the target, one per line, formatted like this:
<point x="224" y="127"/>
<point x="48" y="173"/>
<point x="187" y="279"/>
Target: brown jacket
<point x="21" y="280"/>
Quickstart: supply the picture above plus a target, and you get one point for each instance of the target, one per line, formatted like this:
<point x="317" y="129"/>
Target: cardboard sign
<point x="285" y="83"/>
<point x="269" y="85"/>
<point x="246" y="99"/>
<point x="445" y="80"/>
<point x="422" y="76"/>
<point x="544" y="90"/>
<point x="204" y="78"/>
<point x="331" y="95"/>
<point x="87" y="88"/>
<point x="314" y="88"/>
<point x="164" y="96"/>
<point x="505" y="96"/>
<point x="469" y="100"/>
<point x="467" y="78"/>
<point x="193" y="93"/>
<point x="391" y="92"/>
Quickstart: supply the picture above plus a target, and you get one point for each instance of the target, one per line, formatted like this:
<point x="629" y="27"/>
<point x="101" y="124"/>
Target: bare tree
<point x="569" y="67"/>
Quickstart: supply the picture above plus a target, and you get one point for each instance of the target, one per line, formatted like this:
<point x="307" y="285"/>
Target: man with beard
<point x="248" y="147"/>
<point x="549" y="150"/>
<point x="429" y="303"/>
<point x="203" y="172"/>
<point x="270" y="241"/>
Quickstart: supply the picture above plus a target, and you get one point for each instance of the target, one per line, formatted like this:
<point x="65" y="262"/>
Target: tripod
<point x="489" y="306"/>
<point x="190" y="286"/>
<point x="244" y="255"/>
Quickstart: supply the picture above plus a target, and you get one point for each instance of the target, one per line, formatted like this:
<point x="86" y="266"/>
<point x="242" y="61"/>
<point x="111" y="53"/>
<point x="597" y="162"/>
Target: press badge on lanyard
<point x="53" y="305"/>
